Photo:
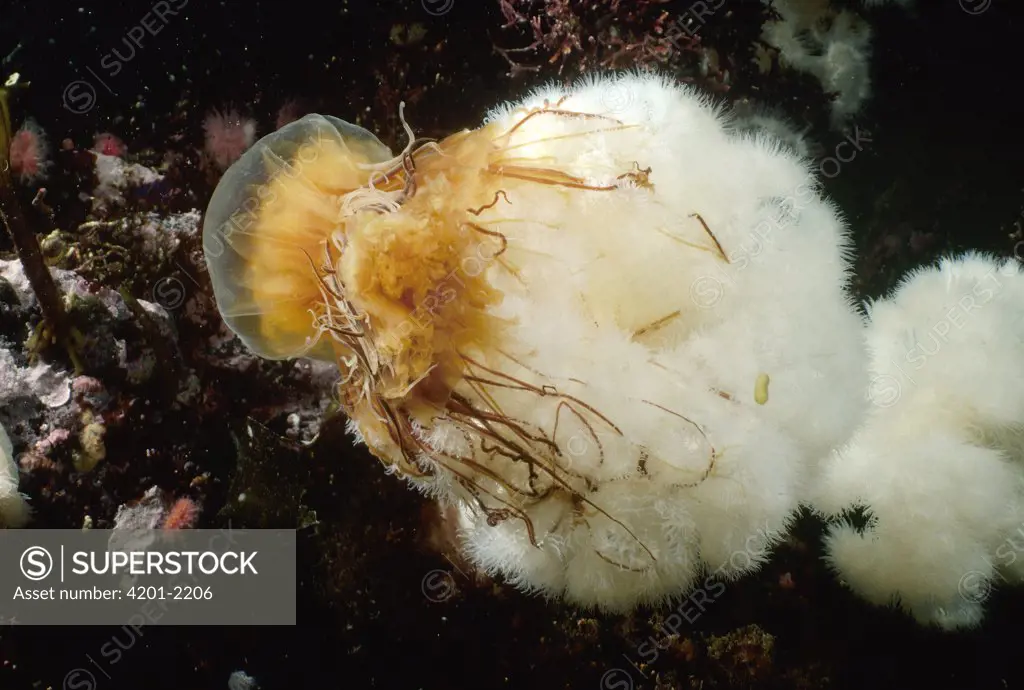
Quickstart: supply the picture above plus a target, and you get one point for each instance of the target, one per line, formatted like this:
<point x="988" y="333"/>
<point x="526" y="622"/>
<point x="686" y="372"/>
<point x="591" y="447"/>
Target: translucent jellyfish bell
<point x="266" y="225"/>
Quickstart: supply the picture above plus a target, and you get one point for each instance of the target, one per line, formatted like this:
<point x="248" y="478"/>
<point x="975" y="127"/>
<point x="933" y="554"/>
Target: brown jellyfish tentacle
<point x="484" y="426"/>
<point x="490" y="233"/>
<point x="557" y="112"/>
<point x="501" y="193"/>
<point x="566" y="136"/>
<point x="623" y="566"/>
<point x="714" y="239"/>
<point x="700" y="430"/>
<point x="641" y="177"/>
<point x="656" y="324"/>
<point x="544" y="390"/>
<point x="562" y="404"/>
<point x="548" y="176"/>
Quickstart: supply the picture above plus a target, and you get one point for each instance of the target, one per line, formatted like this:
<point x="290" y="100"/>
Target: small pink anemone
<point x="29" y="152"/>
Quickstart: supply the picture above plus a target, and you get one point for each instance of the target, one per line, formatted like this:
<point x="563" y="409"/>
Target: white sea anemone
<point x="833" y="46"/>
<point x="939" y="465"/>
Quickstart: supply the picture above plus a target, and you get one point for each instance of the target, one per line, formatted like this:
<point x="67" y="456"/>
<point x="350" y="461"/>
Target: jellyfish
<point x="563" y="324"/>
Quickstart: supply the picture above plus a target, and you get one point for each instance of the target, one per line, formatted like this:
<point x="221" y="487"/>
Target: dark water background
<point x="946" y="158"/>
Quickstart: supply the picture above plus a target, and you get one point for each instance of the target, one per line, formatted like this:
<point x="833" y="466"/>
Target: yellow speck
<point x="761" y="389"/>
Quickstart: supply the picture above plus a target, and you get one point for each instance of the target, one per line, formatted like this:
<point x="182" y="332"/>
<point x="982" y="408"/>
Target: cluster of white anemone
<point x="910" y="409"/>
